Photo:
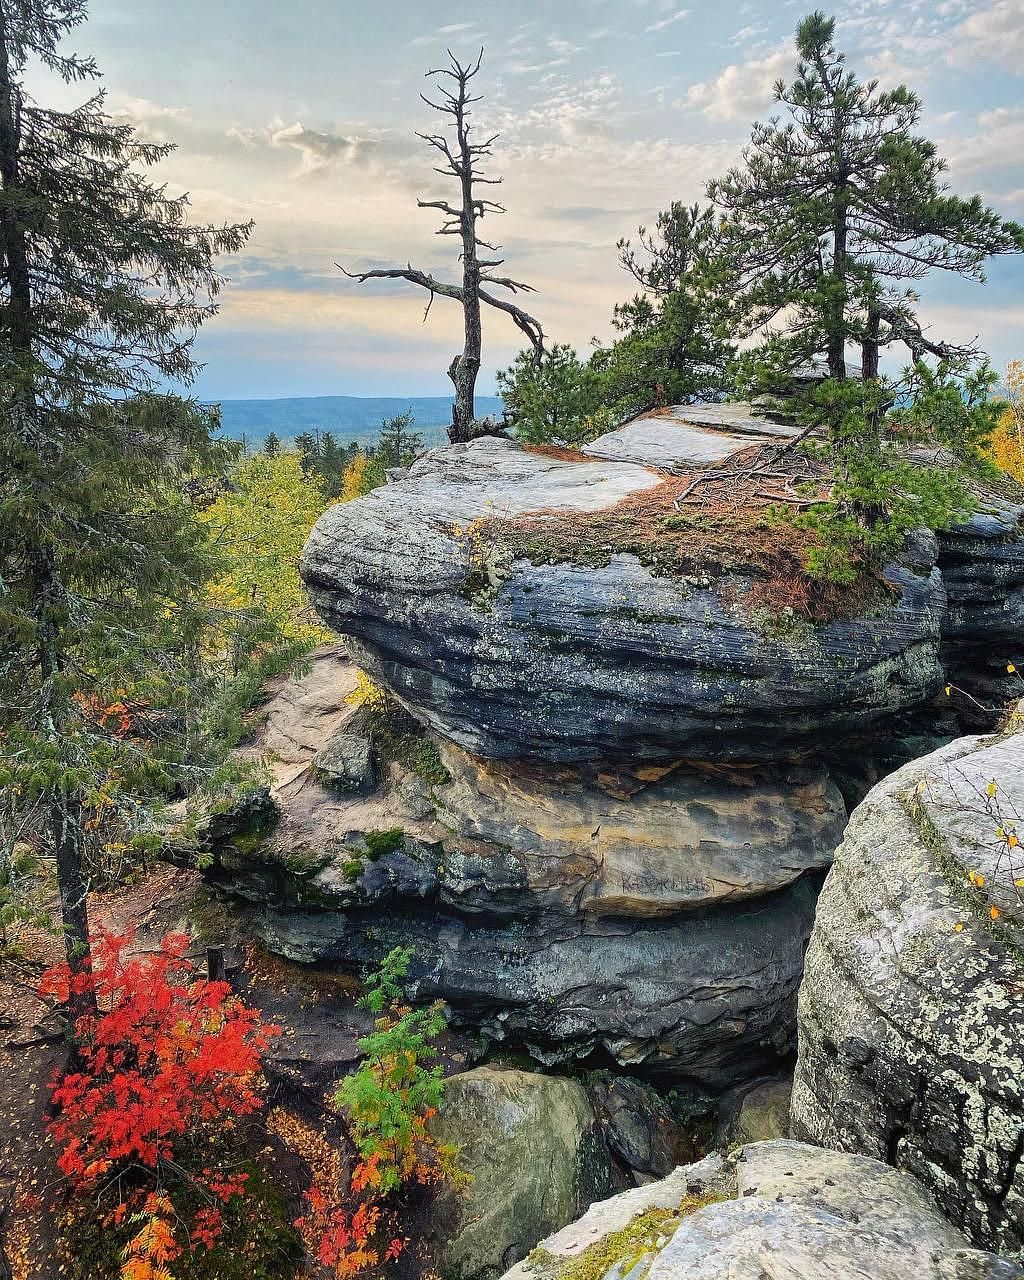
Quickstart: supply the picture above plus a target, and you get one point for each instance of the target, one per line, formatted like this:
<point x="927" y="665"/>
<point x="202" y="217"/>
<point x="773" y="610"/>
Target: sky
<point x="302" y="117"/>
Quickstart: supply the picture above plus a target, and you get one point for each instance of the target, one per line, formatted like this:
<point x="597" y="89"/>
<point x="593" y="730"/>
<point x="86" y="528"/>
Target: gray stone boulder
<point x="756" y="1114"/>
<point x="534" y="1152"/>
<point x="912" y="1007"/>
<point x="566" y="662"/>
<point x="773" y="1211"/>
<point x="346" y="763"/>
<point x="638" y="1126"/>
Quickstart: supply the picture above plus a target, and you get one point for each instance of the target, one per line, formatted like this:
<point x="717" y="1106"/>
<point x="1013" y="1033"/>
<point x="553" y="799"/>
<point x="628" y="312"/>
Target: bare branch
<point x="443" y="205"/>
<point x="410" y="273"/>
<point x="515" y="286"/>
<point x="523" y="319"/>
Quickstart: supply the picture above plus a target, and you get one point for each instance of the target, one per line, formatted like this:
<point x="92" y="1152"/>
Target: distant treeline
<point x="346" y="418"/>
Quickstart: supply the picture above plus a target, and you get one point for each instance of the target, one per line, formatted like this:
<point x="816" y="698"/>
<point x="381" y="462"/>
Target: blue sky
<point x="302" y="116"/>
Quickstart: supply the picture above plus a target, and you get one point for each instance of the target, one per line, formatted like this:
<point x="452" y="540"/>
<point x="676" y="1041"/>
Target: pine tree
<point x="104" y="283"/>
<point x="670" y="349"/>
<point x="272" y="444"/>
<point x="837" y="210"/>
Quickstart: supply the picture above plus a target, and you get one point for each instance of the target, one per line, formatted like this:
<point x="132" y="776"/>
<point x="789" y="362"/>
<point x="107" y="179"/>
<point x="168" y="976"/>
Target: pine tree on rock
<point x="462" y="161"/>
<point x="103" y="284"/>
<point x="836" y="211"/>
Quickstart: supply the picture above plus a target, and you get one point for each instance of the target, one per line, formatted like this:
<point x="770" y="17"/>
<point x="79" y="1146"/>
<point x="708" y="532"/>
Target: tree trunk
<point x="465" y="368"/>
<point x="869" y="345"/>
<point x="837" y="304"/>
<point x="66" y="825"/>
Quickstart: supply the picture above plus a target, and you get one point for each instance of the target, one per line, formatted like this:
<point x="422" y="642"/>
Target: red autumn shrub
<point x="168" y="1062"/>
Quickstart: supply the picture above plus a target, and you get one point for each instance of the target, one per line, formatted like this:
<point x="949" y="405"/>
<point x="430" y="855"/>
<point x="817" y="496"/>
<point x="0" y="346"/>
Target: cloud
<point x="671" y="20"/>
<point x="322" y="150"/>
<point x="524" y="68"/>
<point x="740" y="91"/>
<point x="995" y="34"/>
<point x="149" y="119"/>
<point x="1000" y="143"/>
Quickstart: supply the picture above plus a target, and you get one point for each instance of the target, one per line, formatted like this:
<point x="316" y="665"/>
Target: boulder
<point x="773" y="1211"/>
<point x="345" y="762"/>
<point x="534" y="1153"/>
<point x="638" y="1126"/>
<point x="755" y="1114"/>
<point x="911" y="1011"/>
<point x="512" y="659"/>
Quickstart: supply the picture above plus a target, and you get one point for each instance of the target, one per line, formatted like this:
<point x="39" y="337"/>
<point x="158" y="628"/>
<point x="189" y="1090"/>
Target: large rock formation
<point x="982" y="564"/>
<point x="912" y="1008"/>
<point x="571" y="662"/>
<point x="773" y="1211"/>
<point x="656" y="917"/>
<point x="610" y="848"/>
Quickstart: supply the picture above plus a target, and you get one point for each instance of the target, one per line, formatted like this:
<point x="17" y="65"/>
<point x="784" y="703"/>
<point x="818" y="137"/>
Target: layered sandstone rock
<point x="656" y="916"/>
<point x="912" y="1008"/>
<point x="573" y="662"/>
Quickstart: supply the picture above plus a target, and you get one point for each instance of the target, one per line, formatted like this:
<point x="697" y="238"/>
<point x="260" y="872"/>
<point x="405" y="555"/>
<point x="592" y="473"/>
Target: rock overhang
<point x="566" y="661"/>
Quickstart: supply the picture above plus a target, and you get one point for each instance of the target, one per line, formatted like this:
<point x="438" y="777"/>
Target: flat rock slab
<point x="687" y="436"/>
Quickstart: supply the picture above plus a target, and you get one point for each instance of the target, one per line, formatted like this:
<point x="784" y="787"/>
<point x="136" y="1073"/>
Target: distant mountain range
<point x="348" y="417"/>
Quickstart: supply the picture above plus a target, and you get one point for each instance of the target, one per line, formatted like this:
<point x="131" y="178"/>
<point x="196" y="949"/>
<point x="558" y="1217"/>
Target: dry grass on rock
<point x="732" y="520"/>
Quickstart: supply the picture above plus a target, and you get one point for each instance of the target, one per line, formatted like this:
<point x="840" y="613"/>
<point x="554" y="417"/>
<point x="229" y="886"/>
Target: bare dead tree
<point x="462" y="158"/>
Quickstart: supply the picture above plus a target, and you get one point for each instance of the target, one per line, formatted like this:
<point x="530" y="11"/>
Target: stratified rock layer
<point x="784" y="1211"/>
<point x="654" y="916"/>
<point x="982" y="563"/>
<point x="911" y="1011"/>
<point x="571" y="663"/>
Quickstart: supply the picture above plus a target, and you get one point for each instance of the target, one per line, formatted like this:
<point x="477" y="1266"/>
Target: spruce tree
<point x="838" y="209"/>
<point x="104" y="284"/>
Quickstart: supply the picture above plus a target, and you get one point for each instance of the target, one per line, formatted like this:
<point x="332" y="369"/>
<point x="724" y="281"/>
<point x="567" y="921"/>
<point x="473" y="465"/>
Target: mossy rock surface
<point x="779" y="1209"/>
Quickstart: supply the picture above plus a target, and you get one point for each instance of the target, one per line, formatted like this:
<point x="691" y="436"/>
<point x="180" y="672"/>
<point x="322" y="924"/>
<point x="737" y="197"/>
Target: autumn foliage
<point x="168" y="1061"/>
<point x="1006" y="446"/>
<point x="387" y="1103"/>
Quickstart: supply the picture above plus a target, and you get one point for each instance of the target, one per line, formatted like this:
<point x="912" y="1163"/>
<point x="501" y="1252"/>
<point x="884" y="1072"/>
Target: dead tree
<point x="462" y="158"/>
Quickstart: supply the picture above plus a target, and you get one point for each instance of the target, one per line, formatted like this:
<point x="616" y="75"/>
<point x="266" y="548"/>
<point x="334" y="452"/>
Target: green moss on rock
<point x="379" y="843"/>
<point x="645" y="1234"/>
